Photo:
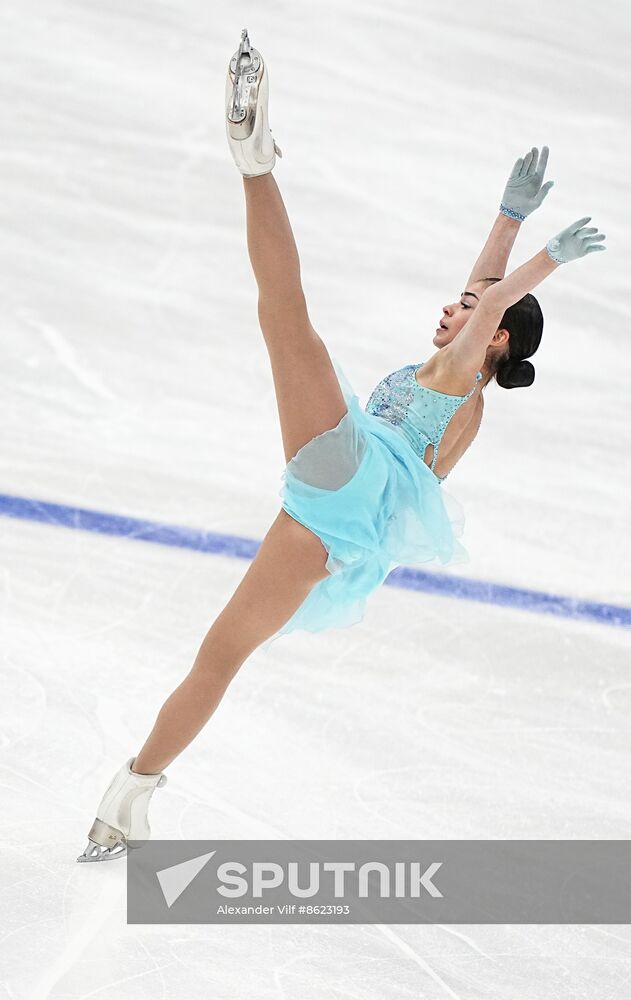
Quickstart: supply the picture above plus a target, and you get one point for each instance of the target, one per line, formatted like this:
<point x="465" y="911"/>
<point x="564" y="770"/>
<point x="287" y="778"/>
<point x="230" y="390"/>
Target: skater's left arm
<point x="468" y="348"/>
<point x="524" y="192"/>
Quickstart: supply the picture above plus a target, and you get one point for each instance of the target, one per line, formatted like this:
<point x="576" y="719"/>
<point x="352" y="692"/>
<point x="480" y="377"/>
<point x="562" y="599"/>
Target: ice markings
<point x="66" y="355"/>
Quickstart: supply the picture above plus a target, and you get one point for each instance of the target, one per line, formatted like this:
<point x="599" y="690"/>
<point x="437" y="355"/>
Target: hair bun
<point x="513" y="373"/>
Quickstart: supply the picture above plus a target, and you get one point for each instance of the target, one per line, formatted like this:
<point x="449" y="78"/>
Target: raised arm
<point x="493" y="259"/>
<point x="468" y="349"/>
<point x="524" y="192"/>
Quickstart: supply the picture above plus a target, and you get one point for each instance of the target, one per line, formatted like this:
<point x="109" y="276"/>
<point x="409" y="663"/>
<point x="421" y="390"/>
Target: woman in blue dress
<point x="362" y="488"/>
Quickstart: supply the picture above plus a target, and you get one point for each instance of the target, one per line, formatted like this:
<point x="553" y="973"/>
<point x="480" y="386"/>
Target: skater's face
<point x="457" y="313"/>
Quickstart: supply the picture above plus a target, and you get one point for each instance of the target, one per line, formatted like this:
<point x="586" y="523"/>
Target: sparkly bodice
<point x="421" y="414"/>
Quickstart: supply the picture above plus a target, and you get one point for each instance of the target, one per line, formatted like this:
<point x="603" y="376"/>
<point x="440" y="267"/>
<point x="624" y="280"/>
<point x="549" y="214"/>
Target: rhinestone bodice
<point x="420" y="413"/>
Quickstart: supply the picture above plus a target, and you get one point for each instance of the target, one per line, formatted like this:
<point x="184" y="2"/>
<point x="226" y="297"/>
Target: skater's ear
<point x="501" y="336"/>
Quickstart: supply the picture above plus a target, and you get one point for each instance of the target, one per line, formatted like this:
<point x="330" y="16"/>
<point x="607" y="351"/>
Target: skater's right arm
<point x="493" y="259"/>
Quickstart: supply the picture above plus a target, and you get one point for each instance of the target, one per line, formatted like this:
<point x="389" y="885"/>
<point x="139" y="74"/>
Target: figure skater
<point x="362" y="488"/>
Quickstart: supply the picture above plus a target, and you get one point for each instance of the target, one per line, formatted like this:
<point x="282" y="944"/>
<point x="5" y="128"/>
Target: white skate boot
<point x="122" y="814"/>
<point x="249" y="135"/>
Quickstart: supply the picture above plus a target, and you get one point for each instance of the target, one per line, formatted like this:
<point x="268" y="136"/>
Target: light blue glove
<point x="574" y="242"/>
<point x="523" y="192"/>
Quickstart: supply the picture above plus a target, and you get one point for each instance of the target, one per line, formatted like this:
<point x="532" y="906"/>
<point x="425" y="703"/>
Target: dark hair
<point x="524" y="322"/>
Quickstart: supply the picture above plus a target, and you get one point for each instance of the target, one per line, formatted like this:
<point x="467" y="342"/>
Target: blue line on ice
<point x="245" y="548"/>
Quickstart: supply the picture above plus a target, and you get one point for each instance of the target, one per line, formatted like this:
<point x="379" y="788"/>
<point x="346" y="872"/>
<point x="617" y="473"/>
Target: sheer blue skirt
<point x="374" y="504"/>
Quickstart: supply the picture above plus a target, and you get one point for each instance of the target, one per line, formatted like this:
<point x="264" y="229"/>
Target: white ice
<point x="134" y="380"/>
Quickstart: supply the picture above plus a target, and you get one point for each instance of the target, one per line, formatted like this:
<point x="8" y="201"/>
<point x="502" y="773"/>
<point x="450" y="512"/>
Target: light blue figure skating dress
<point x="364" y="488"/>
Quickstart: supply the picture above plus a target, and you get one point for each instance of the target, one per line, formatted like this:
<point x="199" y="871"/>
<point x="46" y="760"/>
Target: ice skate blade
<point x="245" y="57"/>
<point x="245" y="73"/>
<point x="94" y="852"/>
<point x="241" y="106"/>
<point x="104" y="842"/>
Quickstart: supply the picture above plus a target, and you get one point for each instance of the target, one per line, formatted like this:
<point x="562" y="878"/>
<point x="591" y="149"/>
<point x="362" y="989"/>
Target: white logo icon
<point x="174" y="880"/>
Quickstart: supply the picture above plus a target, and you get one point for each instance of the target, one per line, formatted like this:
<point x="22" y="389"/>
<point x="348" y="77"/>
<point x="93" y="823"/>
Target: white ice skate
<point x="122" y="814"/>
<point x="247" y="88"/>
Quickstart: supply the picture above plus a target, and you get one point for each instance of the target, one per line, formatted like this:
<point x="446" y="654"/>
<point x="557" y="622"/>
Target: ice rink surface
<point x="135" y="381"/>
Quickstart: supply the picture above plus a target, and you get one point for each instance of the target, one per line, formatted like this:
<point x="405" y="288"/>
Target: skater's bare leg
<point x="289" y="562"/>
<point x="308" y="392"/>
<point x="291" y="558"/>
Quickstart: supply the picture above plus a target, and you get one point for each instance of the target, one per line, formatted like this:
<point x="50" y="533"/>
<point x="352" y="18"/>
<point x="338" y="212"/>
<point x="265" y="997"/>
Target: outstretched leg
<point x="288" y="564"/>
<point x="308" y="393"/>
